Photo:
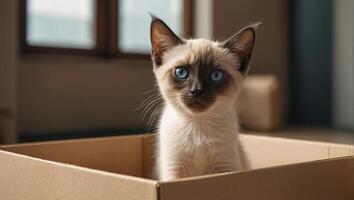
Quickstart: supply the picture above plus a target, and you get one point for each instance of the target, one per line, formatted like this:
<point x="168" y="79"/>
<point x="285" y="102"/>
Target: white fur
<point x="190" y="143"/>
<point x="190" y="146"/>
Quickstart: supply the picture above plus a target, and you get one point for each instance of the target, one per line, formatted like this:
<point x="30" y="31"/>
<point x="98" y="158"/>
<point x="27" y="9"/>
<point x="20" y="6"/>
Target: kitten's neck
<point x="201" y="129"/>
<point x="225" y="116"/>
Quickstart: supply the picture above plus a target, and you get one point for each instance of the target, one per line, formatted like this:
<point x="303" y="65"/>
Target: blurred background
<point x="72" y="69"/>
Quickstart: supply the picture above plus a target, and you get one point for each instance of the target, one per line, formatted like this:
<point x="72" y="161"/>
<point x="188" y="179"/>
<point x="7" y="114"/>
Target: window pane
<point x="134" y="22"/>
<point x="61" y="23"/>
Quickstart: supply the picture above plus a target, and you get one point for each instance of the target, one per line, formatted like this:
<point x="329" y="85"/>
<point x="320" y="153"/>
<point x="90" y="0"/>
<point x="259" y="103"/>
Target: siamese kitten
<point x="199" y="81"/>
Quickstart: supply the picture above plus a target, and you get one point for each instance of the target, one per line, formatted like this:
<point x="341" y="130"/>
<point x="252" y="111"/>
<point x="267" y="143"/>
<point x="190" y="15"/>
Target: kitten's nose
<point x="197" y="92"/>
<point x="197" y="89"/>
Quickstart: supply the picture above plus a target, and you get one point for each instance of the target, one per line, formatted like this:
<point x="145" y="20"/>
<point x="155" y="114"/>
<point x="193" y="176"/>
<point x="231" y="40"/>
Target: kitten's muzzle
<point x="197" y="98"/>
<point x="197" y="89"/>
<point x="196" y="103"/>
<point x="197" y="92"/>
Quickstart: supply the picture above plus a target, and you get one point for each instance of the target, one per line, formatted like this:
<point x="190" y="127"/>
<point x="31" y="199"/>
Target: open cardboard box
<point x="115" y="167"/>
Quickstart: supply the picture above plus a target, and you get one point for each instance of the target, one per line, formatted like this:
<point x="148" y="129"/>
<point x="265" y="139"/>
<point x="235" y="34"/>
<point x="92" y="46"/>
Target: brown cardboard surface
<point x="113" y="154"/>
<point x="23" y="177"/>
<point x="267" y="152"/>
<point x="317" y="134"/>
<point x="42" y="172"/>
<point x="263" y="151"/>
<point x="338" y="150"/>
<point x="321" y="180"/>
<point x="259" y="106"/>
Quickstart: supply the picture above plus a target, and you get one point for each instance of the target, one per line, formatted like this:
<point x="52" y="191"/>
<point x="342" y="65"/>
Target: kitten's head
<point x="197" y="75"/>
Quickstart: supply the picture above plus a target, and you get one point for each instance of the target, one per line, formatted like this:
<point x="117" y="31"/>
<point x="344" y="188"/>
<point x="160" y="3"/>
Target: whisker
<point x="146" y="101"/>
<point x="154" y="89"/>
<point x="150" y="106"/>
<point x="152" y="119"/>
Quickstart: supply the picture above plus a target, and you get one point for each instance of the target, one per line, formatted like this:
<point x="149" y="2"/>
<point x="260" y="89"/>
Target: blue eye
<point x="217" y="75"/>
<point x="181" y="72"/>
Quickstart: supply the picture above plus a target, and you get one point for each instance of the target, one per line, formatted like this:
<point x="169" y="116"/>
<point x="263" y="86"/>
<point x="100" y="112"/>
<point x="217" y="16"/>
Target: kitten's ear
<point x="162" y="39"/>
<point x="241" y="44"/>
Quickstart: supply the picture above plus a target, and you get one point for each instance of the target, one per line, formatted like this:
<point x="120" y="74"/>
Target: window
<point x="63" y="23"/>
<point x="133" y="22"/>
<point x="106" y="28"/>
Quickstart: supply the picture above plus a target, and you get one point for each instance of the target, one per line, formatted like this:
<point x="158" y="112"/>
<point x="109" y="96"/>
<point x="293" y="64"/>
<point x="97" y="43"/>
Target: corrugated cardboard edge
<point x="317" y="180"/>
<point x="9" y="146"/>
<point x="279" y="138"/>
<point x="33" y="178"/>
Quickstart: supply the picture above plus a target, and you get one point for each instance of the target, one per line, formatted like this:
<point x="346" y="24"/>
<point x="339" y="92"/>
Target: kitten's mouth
<point x="197" y="105"/>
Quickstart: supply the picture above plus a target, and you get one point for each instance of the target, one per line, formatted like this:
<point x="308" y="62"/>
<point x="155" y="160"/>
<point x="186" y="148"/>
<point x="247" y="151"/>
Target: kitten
<point x="199" y="81"/>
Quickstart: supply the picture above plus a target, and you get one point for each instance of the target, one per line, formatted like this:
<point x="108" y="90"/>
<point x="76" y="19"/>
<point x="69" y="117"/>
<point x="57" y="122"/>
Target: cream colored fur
<point x="190" y="143"/>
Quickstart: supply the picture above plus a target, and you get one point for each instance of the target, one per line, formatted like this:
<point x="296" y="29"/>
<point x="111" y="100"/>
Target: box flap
<point x="32" y="179"/>
<point x="318" y="180"/>
<point x="338" y="150"/>
<point x="263" y="151"/>
<point x="120" y="154"/>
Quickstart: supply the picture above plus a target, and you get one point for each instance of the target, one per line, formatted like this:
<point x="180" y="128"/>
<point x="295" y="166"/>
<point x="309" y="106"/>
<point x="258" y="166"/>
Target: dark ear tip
<point x="254" y="27"/>
<point x="154" y="18"/>
<point x="251" y="28"/>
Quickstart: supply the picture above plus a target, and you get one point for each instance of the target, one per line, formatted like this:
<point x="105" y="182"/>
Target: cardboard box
<point x="115" y="167"/>
<point x="260" y="103"/>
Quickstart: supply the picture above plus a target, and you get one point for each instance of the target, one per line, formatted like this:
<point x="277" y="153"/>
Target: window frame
<point x="106" y="31"/>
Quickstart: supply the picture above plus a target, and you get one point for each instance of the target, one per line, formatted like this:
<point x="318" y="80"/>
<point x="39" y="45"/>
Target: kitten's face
<point x="199" y="75"/>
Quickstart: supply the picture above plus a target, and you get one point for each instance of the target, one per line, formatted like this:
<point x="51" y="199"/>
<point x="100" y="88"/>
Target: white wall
<point x="343" y="66"/>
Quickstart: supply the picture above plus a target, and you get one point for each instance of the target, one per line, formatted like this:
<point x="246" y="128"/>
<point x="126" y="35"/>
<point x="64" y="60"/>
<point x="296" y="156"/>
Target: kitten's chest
<point x="200" y="143"/>
<point x="200" y="159"/>
<point x="196" y="132"/>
